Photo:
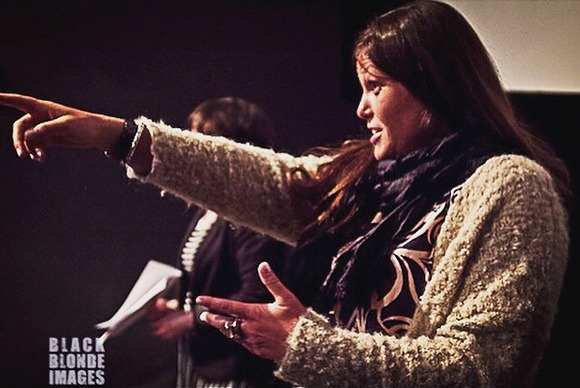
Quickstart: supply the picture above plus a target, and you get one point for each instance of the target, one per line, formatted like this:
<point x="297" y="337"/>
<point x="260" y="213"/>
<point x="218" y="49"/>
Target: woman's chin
<point x="380" y="153"/>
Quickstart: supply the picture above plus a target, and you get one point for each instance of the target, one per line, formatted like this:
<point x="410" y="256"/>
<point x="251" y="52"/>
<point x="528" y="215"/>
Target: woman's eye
<point x="375" y="87"/>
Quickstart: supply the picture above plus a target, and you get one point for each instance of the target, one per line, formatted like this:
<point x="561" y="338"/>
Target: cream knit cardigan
<point x="486" y="314"/>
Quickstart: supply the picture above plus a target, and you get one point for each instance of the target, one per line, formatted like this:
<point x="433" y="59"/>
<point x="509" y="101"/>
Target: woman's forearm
<point x="247" y="185"/>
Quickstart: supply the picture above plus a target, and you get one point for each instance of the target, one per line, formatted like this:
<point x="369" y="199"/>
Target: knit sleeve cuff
<point x="304" y="343"/>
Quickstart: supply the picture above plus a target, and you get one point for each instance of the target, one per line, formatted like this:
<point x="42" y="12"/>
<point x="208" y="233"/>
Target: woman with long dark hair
<point x="446" y="230"/>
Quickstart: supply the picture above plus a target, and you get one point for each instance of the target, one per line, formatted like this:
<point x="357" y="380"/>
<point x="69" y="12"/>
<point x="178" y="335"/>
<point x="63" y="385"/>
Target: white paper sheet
<point x="155" y="279"/>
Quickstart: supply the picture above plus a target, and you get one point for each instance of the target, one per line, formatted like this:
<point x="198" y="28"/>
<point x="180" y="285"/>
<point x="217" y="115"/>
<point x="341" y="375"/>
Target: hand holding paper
<point x="156" y="279"/>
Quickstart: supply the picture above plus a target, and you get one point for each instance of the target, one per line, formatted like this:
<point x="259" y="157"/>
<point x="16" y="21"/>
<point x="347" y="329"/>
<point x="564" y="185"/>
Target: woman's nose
<point x="363" y="110"/>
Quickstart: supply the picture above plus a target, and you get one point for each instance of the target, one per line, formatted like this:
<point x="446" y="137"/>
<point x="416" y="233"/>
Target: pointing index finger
<point x="17" y="101"/>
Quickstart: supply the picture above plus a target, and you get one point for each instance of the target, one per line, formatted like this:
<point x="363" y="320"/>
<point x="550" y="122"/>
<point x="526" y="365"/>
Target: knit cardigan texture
<point x="486" y="314"/>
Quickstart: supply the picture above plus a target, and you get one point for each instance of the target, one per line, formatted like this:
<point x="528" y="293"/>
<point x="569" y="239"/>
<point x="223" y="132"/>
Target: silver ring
<point x="233" y="328"/>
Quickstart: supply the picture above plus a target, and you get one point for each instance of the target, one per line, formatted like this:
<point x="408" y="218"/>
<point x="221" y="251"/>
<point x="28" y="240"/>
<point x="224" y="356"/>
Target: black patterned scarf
<point x="407" y="187"/>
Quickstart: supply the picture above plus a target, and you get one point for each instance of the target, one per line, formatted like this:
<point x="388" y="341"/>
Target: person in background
<point x="219" y="258"/>
<point x="448" y="224"/>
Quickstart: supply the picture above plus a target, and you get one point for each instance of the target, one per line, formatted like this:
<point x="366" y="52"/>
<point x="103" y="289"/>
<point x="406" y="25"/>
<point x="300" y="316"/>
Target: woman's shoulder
<point x="512" y="182"/>
<point x="510" y="171"/>
<point x="507" y="190"/>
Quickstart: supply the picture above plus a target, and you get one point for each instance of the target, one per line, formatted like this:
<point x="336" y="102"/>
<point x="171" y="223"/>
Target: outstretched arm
<point x="245" y="184"/>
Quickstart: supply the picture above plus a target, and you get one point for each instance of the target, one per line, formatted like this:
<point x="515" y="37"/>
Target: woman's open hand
<point x="263" y="327"/>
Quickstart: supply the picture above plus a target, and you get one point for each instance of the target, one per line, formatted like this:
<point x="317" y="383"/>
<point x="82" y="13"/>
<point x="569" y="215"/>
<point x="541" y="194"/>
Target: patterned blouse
<point x="410" y="270"/>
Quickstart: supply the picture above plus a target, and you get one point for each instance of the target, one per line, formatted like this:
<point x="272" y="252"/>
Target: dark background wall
<point x="75" y="233"/>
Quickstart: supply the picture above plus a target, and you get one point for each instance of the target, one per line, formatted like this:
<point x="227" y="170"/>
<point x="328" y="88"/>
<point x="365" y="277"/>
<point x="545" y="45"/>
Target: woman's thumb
<point x="273" y="284"/>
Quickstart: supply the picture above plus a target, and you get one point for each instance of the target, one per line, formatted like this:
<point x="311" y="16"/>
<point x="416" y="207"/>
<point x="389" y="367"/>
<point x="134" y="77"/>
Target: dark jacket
<point x="226" y="266"/>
